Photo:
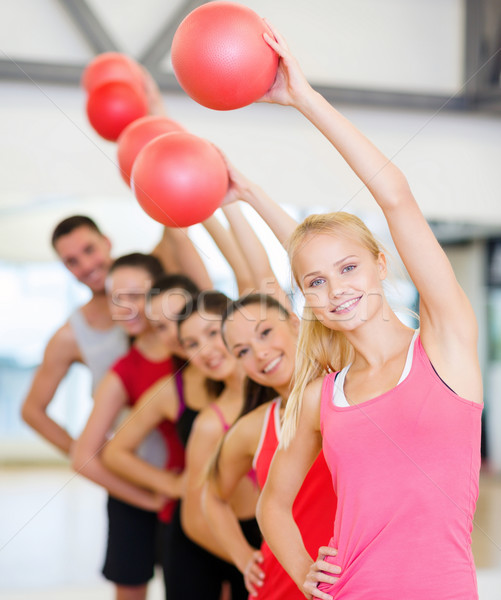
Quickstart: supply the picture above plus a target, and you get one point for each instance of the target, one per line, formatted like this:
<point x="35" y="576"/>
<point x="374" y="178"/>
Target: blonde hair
<point x="320" y="350"/>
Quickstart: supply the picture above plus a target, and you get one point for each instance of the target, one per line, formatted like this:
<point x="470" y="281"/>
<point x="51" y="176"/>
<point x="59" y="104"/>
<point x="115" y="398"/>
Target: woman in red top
<point x="262" y="334"/>
<point x="132" y="517"/>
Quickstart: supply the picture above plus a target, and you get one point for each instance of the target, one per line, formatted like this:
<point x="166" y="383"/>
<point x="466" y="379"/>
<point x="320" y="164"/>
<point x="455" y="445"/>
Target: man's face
<point x="86" y="254"/>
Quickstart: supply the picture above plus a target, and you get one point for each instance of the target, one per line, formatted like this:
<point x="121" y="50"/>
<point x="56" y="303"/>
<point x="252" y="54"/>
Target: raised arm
<point x="61" y="352"/>
<point x="156" y="104"/>
<point x="253" y="250"/>
<point x="178" y="254"/>
<point x="241" y="188"/>
<point x="448" y="324"/>
<point x="159" y="402"/>
<point x="109" y="400"/>
<point x="227" y="244"/>
<point x="234" y="461"/>
<point x="249" y="244"/>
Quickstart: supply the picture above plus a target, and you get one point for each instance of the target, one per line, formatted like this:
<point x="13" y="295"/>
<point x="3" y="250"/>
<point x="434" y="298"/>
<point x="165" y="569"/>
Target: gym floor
<point x="53" y="528"/>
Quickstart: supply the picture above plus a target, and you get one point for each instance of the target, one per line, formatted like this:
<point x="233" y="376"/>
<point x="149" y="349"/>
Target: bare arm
<point x="278" y="220"/>
<point x="234" y="462"/>
<point x="249" y="244"/>
<point x="165" y="253"/>
<point x="253" y="250"/>
<point x="61" y="352"/>
<point x="178" y="251"/>
<point x="119" y="455"/>
<point x="227" y="244"/>
<point x="203" y="442"/>
<point x="286" y="475"/>
<point x="448" y="328"/>
<point x="110" y="398"/>
<point x="156" y="104"/>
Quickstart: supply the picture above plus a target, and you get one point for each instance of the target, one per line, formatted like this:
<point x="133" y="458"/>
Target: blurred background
<point x="420" y="78"/>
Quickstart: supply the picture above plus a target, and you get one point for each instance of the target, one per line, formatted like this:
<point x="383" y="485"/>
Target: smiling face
<point x="127" y="288"/>
<point x="163" y="311"/>
<point x="86" y="254"/>
<point x="264" y="341"/>
<point x="340" y="279"/>
<point x="204" y="346"/>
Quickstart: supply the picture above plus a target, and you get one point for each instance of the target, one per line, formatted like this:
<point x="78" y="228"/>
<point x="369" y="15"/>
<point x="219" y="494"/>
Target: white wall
<point x="54" y="164"/>
<point x="395" y="45"/>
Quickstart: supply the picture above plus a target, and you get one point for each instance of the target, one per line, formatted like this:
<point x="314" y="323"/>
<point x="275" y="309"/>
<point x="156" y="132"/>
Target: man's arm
<point x="178" y="254"/>
<point x="229" y="248"/>
<point x="61" y="352"/>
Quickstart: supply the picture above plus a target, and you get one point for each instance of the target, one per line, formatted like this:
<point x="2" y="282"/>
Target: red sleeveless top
<point x="137" y="374"/>
<point x="314" y="510"/>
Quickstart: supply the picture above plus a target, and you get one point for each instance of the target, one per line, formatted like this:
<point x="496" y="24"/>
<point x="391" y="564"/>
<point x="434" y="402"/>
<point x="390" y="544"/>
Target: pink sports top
<point x="405" y="467"/>
<point x="225" y="425"/>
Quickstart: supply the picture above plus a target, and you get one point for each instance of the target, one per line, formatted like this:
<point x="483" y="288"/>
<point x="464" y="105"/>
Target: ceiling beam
<point x="161" y="45"/>
<point x="66" y="74"/>
<point x="381" y="98"/>
<point x="482" y="50"/>
<point x="59" y="73"/>
<point x="90" y="26"/>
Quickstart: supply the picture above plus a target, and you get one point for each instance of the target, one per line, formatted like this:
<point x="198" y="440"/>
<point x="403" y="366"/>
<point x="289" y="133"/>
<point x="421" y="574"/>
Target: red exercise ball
<point x="111" y="66"/>
<point x="179" y="179"/>
<point x="114" y="105"/>
<point x="220" y="58"/>
<point x="136" y="135"/>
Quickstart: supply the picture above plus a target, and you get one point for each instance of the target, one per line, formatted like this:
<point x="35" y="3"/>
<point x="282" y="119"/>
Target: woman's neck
<point x="150" y="346"/>
<point x="284" y="393"/>
<point x="378" y="340"/>
<point x="235" y="382"/>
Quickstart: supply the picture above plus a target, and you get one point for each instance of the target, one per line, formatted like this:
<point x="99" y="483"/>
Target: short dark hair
<point x="173" y="281"/>
<point x="147" y="262"/>
<point x="264" y="300"/>
<point x="70" y="224"/>
<point x="211" y="301"/>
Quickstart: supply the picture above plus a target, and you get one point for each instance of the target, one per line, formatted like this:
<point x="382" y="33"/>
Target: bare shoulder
<point x="247" y="429"/>
<point x="63" y="346"/>
<point x="207" y="423"/>
<point x="310" y="412"/>
<point x="255" y="418"/>
<point x="313" y="392"/>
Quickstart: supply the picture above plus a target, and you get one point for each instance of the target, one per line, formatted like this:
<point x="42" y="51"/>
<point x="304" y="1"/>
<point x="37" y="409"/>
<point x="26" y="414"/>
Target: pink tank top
<point x="405" y="467"/>
<point x="252" y="473"/>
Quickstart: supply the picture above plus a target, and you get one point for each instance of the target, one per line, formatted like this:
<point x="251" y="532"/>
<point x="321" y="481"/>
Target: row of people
<point x="381" y="417"/>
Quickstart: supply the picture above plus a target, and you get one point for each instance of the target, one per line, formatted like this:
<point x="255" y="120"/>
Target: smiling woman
<point x="350" y="288"/>
<point x="129" y="281"/>
<point x="132" y="510"/>
<point x="411" y="396"/>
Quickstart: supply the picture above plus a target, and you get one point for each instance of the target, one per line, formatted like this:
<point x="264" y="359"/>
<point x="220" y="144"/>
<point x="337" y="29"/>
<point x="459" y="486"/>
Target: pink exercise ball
<point x="114" y="105"/>
<point x="111" y="66"/>
<point x="179" y="179"/>
<point x="220" y="58"/>
<point x="136" y="135"/>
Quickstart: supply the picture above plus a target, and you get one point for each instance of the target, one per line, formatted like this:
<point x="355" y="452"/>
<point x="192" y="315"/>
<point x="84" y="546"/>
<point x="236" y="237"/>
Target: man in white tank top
<point x="90" y="336"/>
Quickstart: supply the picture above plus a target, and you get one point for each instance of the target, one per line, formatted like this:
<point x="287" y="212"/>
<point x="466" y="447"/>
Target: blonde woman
<point x="398" y="415"/>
